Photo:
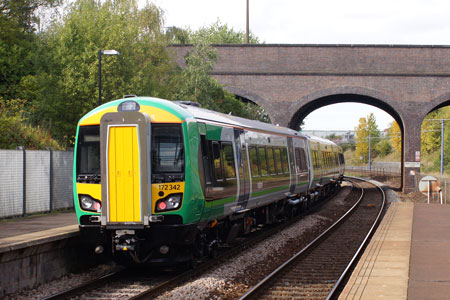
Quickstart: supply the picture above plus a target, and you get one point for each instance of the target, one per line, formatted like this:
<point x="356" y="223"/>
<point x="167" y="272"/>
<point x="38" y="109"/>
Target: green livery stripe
<point x="213" y="132"/>
<point x="220" y="201"/>
<point x="268" y="191"/>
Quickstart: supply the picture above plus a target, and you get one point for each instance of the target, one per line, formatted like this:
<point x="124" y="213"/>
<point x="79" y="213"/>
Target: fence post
<point x="51" y="181"/>
<point x="24" y="182"/>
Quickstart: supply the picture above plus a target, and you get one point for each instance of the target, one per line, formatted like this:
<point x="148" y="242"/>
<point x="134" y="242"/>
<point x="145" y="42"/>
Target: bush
<point x="14" y="130"/>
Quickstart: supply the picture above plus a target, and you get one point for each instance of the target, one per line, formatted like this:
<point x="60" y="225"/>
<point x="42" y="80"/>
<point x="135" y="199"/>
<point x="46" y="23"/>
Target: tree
<point x="69" y="88"/>
<point x="16" y="132"/>
<point x="216" y="33"/>
<point x="195" y="84"/>
<point x="396" y="137"/>
<point x="431" y="136"/>
<point x="383" y="148"/>
<point x="366" y="127"/>
<point x="18" y="21"/>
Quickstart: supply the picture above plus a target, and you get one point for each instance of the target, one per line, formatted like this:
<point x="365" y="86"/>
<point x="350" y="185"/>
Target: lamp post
<point x="100" y="53"/>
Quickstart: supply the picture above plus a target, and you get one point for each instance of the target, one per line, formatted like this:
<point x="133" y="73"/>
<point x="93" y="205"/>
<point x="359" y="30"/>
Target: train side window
<point x="253" y="161"/>
<point x="284" y="160"/>
<point x="328" y="160"/>
<point x="262" y="160"/>
<point x="217" y="161"/>
<point x="278" y="166"/>
<point x="303" y="166"/>
<point x="228" y="161"/>
<point x="322" y="160"/>
<point x="298" y="163"/>
<point x="270" y="161"/>
<point x="316" y="161"/>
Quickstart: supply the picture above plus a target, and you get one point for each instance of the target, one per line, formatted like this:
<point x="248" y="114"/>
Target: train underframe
<point x="173" y="244"/>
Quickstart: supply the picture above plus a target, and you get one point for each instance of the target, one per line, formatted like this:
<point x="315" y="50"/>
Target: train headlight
<point x="171" y="202"/>
<point x="89" y="204"/>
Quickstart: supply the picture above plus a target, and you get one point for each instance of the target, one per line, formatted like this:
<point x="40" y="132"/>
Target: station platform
<point x="407" y="258"/>
<point x="29" y="231"/>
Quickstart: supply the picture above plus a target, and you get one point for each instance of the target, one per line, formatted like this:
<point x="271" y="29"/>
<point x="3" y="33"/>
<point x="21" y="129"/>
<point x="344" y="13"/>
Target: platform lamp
<point x="100" y="53"/>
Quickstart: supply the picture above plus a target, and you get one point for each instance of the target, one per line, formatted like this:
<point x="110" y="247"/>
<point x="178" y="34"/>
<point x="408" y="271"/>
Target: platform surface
<point x="408" y="257"/>
<point x="28" y="231"/>
<point x="429" y="272"/>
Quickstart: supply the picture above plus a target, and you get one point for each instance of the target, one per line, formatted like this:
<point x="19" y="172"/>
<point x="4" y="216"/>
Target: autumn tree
<point x="395" y="137"/>
<point x="367" y="129"/>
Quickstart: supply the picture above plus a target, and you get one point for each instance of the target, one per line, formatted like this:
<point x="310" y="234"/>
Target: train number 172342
<point x="169" y="187"/>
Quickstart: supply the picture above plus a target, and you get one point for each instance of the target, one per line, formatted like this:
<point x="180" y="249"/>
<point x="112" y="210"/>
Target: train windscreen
<point x="167" y="149"/>
<point x="88" y="154"/>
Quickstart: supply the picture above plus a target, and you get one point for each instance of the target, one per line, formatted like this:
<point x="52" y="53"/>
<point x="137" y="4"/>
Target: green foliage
<point x="195" y="84"/>
<point x="383" y="148"/>
<point x="431" y="134"/>
<point x="69" y="88"/>
<point x="216" y="33"/>
<point x="15" y="131"/>
<point x="431" y="140"/>
<point x="56" y="69"/>
<point x="17" y="42"/>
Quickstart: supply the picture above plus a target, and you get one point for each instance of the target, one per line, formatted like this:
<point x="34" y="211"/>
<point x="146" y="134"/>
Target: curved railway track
<point x="317" y="271"/>
<point x="126" y="284"/>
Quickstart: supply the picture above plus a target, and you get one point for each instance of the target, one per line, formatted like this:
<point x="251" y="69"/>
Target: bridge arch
<point x="289" y="81"/>
<point x="322" y="98"/>
<point x="253" y="97"/>
<point x="439" y="102"/>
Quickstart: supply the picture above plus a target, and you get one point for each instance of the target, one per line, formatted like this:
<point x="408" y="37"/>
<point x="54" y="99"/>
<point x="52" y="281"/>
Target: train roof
<point x="321" y="140"/>
<point x="185" y="110"/>
<point x="214" y="116"/>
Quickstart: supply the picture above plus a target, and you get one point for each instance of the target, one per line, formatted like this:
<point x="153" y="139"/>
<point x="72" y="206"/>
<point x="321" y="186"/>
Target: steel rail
<point x="256" y="237"/>
<point x="363" y="244"/>
<point x="312" y="245"/>
<point x="206" y="266"/>
<point x="81" y="288"/>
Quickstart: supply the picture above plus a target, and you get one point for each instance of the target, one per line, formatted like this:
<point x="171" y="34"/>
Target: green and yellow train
<point x="167" y="181"/>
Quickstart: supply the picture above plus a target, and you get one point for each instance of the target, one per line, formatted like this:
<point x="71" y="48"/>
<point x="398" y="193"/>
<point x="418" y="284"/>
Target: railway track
<point x="317" y="271"/>
<point x="132" y="284"/>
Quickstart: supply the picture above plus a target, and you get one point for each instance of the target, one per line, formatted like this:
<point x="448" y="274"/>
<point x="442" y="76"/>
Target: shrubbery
<point x="16" y="132"/>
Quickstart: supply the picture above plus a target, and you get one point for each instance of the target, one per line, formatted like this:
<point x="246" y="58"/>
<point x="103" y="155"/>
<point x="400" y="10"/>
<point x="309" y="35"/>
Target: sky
<point x="413" y="22"/>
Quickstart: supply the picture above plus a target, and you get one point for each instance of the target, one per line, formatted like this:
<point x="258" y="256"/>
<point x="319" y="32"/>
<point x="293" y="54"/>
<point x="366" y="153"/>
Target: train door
<point x="124" y="141"/>
<point x="292" y="169"/>
<point x="243" y="168"/>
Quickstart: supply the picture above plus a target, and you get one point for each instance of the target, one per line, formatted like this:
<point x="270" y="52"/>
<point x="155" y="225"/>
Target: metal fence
<point x="34" y="181"/>
<point x="438" y="187"/>
<point x="390" y="175"/>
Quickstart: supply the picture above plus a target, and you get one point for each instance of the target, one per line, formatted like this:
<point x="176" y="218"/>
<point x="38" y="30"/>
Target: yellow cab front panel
<point x="124" y="174"/>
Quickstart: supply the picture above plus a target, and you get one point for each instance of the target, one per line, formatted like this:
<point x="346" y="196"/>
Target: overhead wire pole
<point x="442" y="139"/>
<point x="248" y="24"/>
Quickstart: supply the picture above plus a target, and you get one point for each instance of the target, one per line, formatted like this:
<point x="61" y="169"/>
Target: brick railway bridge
<point x="291" y="81"/>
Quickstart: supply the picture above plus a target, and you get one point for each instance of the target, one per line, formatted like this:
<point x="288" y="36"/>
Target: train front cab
<point x="130" y="184"/>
